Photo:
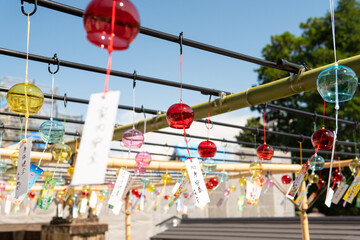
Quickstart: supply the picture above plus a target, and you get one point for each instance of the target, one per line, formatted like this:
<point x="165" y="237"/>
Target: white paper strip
<point x="119" y="188"/>
<point x="60" y="210"/>
<point x="340" y="191"/>
<point x="94" y="147"/>
<point x="98" y="208"/>
<point x="117" y="208"/>
<point x="329" y="196"/>
<point x="83" y="206"/>
<point x="7" y="205"/>
<point x="249" y="189"/>
<point x="93" y="199"/>
<point x="22" y="173"/>
<point x="197" y="182"/>
<point x="75" y="212"/>
<point x="176" y="187"/>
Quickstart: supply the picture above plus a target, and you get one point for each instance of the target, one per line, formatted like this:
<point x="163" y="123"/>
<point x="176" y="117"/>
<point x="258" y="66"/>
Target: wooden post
<point x="127" y="219"/>
<point x="304" y="217"/>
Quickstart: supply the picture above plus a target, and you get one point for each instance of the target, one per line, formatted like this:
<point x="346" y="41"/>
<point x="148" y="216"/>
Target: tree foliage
<point x="315" y="48"/>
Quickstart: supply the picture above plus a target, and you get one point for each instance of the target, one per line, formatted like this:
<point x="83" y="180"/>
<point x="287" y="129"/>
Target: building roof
<point x="262" y="228"/>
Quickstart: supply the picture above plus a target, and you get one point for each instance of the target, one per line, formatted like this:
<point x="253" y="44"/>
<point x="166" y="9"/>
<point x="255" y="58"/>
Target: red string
<point x="208" y="121"/>
<point x="324" y="115"/>
<point x="264" y="127"/>
<point x="110" y="46"/>
<point x="322" y="134"/>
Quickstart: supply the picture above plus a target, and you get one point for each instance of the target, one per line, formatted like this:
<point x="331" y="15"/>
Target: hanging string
<point x="301" y="161"/>
<point x="181" y="64"/>
<point x="322" y="134"/>
<point x="182" y="116"/>
<point x="332" y="11"/>
<point x="110" y="47"/>
<point x="355" y="141"/>
<point x="26" y="77"/>
<point x="208" y="120"/>
<point x="264" y="127"/>
<point x="51" y="119"/>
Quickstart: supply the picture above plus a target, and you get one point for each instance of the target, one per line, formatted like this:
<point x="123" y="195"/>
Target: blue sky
<point x="242" y="26"/>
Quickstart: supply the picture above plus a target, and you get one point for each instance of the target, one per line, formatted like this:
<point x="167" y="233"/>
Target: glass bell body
<point x="12" y="181"/>
<point x="52" y="131"/>
<point x="208" y="165"/>
<point x="242" y="181"/>
<point x="269" y="183"/>
<point x="207" y="149"/>
<point x="322" y="139"/>
<point x="286" y="179"/>
<point x="70" y="171"/>
<point x="60" y="181"/>
<point x="180" y="116"/>
<point x="255" y="169"/>
<point x="61" y="152"/>
<point x="232" y="188"/>
<point x="46" y="174"/>
<point x="139" y="170"/>
<point x="321" y="183"/>
<point x="354" y="165"/>
<point x="133" y="139"/>
<point x="166" y="178"/>
<point x="98" y="18"/>
<point x="151" y="188"/>
<point x="145" y="181"/>
<point x="3" y="167"/>
<point x="317" y="163"/>
<point x="2" y="186"/>
<point x="111" y="185"/>
<point x="336" y="176"/>
<point x="265" y="152"/>
<point x="17" y="100"/>
<point x="143" y="159"/>
<point x="14" y="158"/>
<point x="314" y="178"/>
<point x="347" y="83"/>
<point x="31" y="194"/>
<point x="214" y="181"/>
<point x="223" y="176"/>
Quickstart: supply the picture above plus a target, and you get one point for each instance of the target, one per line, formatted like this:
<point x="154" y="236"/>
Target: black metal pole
<point x="64" y="63"/>
<point x="174" y="38"/>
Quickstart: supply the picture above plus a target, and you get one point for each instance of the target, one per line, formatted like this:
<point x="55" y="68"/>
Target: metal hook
<point x="209" y="124"/>
<point x="181" y="42"/>
<point x="57" y="62"/>
<point x="65" y="100"/>
<point x="2" y="127"/>
<point x="77" y="133"/>
<point x="134" y="79"/>
<point x="302" y="138"/>
<point x="143" y="110"/>
<point x="23" y="11"/>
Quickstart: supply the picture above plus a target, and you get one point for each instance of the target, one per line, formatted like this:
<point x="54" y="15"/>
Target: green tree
<point x="315" y="48"/>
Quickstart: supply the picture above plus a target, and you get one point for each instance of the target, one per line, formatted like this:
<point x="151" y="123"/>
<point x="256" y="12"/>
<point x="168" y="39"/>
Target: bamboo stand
<point x="127" y="219"/>
<point x="304" y="217"/>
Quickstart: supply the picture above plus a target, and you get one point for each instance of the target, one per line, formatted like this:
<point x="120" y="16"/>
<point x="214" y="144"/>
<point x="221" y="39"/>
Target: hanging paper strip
<point x="22" y="173"/>
<point x="93" y="199"/>
<point x="47" y="193"/>
<point x="298" y="181"/>
<point x="122" y="182"/>
<point x="68" y="193"/>
<point x="34" y="174"/>
<point x="255" y="191"/>
<point x="353" y="189"/>
<point x="339" y="192"/>
<point x="197" y="182"/>
<point x="83" y="205"/>
<point x="97" y="135"/>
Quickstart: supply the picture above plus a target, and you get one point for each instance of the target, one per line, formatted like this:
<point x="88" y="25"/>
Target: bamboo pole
<point x="127" y="219"/>
<point x="304" y="217"/>
<point x="275" y="90"/>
